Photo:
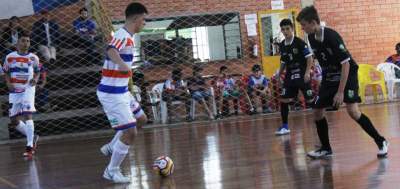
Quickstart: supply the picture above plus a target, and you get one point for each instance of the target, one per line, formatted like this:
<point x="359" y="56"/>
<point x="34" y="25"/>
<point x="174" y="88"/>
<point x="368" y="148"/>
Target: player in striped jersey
<point x="21" y="74"/>
<point x="120" y="107"/>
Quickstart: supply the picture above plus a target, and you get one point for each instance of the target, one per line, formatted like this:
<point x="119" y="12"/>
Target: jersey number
<point x="323" y="55"/>
<point x="295" y="76"/>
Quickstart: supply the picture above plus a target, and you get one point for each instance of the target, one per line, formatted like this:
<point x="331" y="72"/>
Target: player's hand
<point x="32" y="82"/>
<point x="41" y="86"/>
<point x="10" y="87"/>
<point x="124" y="68"/>
<point x="338" y="99"/>
<point x="307" y="78"/>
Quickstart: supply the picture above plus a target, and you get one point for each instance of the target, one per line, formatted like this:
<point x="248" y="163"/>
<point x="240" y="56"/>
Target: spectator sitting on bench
<point x="226" y="90"/>
<point x="258" y="85"/>
<point x="175" y="89"/>
<point x="199" y="89"/>
<point x="45" y="37"/>
<point x="85" y="29"/>
<point x="395" y="58"/>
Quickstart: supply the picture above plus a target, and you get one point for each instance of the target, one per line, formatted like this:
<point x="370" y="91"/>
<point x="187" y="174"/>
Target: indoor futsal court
<point x="199" y="94"/>
<point x="236" y="153"/>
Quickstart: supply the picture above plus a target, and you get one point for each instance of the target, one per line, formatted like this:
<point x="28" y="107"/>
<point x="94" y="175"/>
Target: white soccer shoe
<point x="383" y="151"/>
<point x="320" y="154"/>
<point x="115" y="176"/>
<point x="282" y="131"/>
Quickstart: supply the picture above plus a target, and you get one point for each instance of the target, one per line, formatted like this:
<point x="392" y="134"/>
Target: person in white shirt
<point x="121" y="109"/>
<point x="45" y="36"/>
<point x="22" y="73"/>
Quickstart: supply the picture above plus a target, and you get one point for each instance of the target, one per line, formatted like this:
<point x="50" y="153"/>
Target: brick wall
<point x="167" y="8"/>
<point x="370" y="28"/>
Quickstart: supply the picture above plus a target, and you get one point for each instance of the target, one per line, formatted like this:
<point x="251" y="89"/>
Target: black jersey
<point x="331" y="53"/>
<point x="294" y="56"/>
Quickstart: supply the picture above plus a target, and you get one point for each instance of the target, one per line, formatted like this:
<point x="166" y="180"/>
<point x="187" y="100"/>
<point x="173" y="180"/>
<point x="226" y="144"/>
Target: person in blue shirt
<point x="85" y="28"/>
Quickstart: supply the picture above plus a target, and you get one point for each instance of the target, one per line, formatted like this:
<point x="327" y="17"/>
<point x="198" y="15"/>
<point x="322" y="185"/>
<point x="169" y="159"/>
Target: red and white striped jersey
<point x="114" y="81"/>
<point x="21" y="69"/>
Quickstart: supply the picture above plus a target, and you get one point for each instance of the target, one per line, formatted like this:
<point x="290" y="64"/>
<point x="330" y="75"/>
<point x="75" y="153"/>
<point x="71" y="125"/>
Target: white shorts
<point x="120" y="109"/>
<point x="22" y="103"/>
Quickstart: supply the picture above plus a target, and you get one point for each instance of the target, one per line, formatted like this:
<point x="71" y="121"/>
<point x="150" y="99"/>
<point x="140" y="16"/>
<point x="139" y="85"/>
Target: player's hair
<point x="24" y="34"/>
<point x="308" y="14"/>
<point x="82" y="9"/>
<point x="176" y="74"/>
<point x="222" y="68"/>
<point x="196" y="69"/>
<point x="134" y="9"/>
<point x="397" y="45"/>
<point x="14" y="18"/>
<point x="286" y="22"/>
<point x="256" y="67"/>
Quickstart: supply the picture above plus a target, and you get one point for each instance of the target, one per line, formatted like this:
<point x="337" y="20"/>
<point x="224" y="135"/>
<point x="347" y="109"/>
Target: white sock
<point x="118" y="155"/>
<point x="30" y="130"/>
<point x="117" y="136"/>
<point x="21" y="127"/>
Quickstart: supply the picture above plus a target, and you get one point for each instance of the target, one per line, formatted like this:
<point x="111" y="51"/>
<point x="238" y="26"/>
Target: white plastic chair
<point x="390" y="76"/>
<point x="214" y="105"/>
<point x="155" y="100"/>
<point x="159" y="108"/>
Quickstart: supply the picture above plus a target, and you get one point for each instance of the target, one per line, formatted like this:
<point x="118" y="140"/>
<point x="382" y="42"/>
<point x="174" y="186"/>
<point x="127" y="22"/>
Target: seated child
<point x="199" y="90"/>
<point x="258" y="85"/>
<point x="175" y="89"/>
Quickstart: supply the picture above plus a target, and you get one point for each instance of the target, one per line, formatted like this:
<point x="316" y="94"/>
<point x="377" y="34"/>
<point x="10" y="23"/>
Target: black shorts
<point x="291" y="91"/>
<point x="327" y="93"/>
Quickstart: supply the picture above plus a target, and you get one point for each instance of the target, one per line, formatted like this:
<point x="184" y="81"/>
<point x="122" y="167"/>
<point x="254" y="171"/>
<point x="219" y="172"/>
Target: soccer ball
<point x="163" y="166"/>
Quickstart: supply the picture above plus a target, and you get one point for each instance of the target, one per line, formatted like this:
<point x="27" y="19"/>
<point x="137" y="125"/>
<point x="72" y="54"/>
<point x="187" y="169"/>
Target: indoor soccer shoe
<point x="115" y="176"/>
<point x="320" y="153"/>
<point x="106" y="150"/>
<point x="29" y="152"/>
<point x="282" y="131"/>
<point x="383" y="150"/>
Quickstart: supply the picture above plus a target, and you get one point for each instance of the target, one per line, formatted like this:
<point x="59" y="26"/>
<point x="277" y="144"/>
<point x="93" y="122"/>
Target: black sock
<point x="369" y="128"/>
<point x="323" y="134"/>
<point x="284" y="113"/>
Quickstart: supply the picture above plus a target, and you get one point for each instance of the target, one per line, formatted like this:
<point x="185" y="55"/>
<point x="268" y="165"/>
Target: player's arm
<point x="43" y="77"/>
<point x="7" y="77"/>
<point x="265" y="85"/>
<point x="130" y="85"/>
<point x="309" y="60"/>
<point x="281" y="68"/>
<point x="36" y="72"/>
<point x="343" y="76"/>
<point x="343" y="54"/>
<point x="117" y="43"/>
<point x="113" y="54"/>
<point x="310" y="63"/>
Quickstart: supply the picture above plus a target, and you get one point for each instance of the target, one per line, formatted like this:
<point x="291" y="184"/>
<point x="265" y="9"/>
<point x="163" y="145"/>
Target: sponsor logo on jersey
<point x="351" y="93"/>
<point x="341" y="47"/>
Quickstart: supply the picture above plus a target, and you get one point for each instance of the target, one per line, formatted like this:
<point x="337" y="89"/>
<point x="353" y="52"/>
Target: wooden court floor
<point x="229" y="154"/>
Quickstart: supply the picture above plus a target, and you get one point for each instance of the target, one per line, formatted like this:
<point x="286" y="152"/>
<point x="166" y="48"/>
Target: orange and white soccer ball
<point x="163" y="166"/>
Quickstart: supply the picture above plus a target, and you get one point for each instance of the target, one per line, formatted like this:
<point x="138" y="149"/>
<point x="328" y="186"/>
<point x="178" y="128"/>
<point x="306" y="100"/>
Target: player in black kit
<point x="339" y="81"/>
<point x="296" y="59"/>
